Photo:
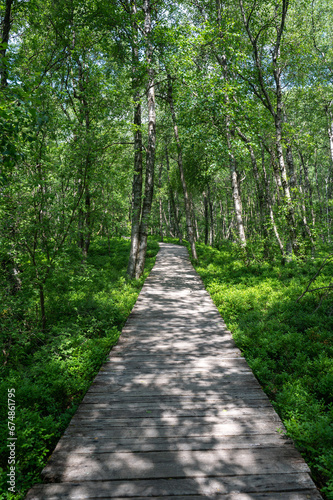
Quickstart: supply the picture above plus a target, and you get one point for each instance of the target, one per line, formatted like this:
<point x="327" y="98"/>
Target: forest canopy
<point x="230" y="104"/>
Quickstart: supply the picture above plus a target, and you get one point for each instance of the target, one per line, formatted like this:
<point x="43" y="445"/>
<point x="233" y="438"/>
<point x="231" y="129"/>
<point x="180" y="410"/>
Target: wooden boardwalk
<point x="176" y="412"/>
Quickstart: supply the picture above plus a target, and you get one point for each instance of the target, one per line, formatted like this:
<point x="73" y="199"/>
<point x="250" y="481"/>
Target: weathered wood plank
<point x="220" y="403"/>
<point x="205" y="487"/>
<point x="167" y="421"/>
<point x="119" y="354"/>
<point x="304" y="495"/>
<point x="205" y="366"/>
<point x="175" y="413"/>
<point x="108" y="411"/>
<point x="77" y="428"/>
<point x="86" y="444"/>
<point x="164" y="377"/>
<point x="226" y="400"/>
<point x="103" y="391"/>
<point x="148" y="465"/>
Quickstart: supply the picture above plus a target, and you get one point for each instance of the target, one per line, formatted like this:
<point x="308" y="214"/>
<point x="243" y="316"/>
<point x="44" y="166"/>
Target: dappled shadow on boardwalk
<point x="176" y="411"/>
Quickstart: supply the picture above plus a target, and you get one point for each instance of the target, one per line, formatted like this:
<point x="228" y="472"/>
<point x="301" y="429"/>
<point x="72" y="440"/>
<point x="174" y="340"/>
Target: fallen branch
<point x="314" y="277"/>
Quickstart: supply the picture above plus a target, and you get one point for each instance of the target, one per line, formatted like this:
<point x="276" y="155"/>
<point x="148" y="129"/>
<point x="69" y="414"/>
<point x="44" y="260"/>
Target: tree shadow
<point x="175" y="411"/>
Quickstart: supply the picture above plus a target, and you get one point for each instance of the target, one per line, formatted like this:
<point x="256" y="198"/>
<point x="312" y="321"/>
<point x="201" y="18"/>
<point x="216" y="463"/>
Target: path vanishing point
<point x="175" y="412"/>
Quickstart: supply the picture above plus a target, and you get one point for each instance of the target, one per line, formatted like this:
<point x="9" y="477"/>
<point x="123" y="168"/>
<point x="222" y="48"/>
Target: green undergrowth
<point x="288" y="344"/>
<point x="87" y="305"/>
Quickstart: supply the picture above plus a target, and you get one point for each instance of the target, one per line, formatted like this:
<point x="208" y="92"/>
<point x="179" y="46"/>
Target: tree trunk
<point x="7" y="20"/>
<point x="88" y="223"/>
<point x="195" y="221"/>
<point x="172" y="200"/>
<point x="292" y="176"/>
<point x="317" y="185"/>
<point x="235" y="188"/>
<point x="137" y="177"/>
<point x="206" y="217"/>
<point x="150" y="155"/>
<point x="160" y="200"/>
<point x="304" y="220"/>
<point x="223" y="221"/>
<point x="211" y="216"/>
<point x="290" y="161"/>
<point x="167" y="222"/>
<point x="290" y="215"/>
<point x="329" y="179"/>
<point x="330" y="137"/>
<point x="258" y="182"/>
<point x="308" y="187"/>
<point x="275" y="110"/>
<point x="270" y="208"/>
<point x="42" y="306"/>
<point x="190" y="232"/>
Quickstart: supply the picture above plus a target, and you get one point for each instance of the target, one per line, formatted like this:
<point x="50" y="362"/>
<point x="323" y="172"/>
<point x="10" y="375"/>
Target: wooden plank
<point x="77" y="428"/>
<point x="88" y="411"/>
<point x="179" y="380"/>
<point x="149" y="465"/>
<point x="227" y="401"/>
<point x="304" y="495"/>
<point x="103" y="391"/>
<point x="175" y="413"/>
<point x="220" y="404"/>
<point x="205" y="487"/>
<point x="179" y="384"/>
<point x="235" y="376"/>
<point x="118" y="354"/>
<point x="196" y="421"/>
<point x="86" y="444"/>
<point x="203" y="365"/>
<point x="149" y="417"/>
<point x="178" y="348"/>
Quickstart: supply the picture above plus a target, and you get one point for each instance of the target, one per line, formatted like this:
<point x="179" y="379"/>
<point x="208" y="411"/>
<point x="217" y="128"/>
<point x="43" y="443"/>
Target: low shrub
<point x="288" y="344"/>
<point x="87" y="305"/>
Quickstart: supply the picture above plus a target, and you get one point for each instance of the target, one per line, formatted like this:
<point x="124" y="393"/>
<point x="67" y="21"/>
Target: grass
<point x="87" y="306"/>
<point x="288" y="344"/>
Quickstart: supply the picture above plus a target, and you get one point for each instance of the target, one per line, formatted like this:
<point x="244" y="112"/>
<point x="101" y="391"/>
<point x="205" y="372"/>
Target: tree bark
<point x="235" y="187"/>
<point x="42" y="306"/>
<point x="190" y="232"/>
<point x="276" y="109"/>
<point x="260" y="190"/>
<point x="290" y="214"/>
<point x="330" y="137"/>
<point x="150" y="154"/>
<point x="160" y="200"/>
<point x="292" y="176"/>
<point x="206" y="217"/>
<point x="329" y="179"/>
<point x="304" y="218"/>
<point x="270" y="208"/>
<point x="211" y="217"/>
<point x="308" y="187"/>
<point x="194" y="220"/>
<point x="172" y="200"/>
<point x="137" y="176"/>
<point x="7" y="21"/>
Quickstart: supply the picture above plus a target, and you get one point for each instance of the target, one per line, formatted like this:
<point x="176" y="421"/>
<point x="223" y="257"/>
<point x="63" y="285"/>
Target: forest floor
<point x="288" y="344"/>
<point x="175" y="411"/>
<point x="87" y="304"/>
